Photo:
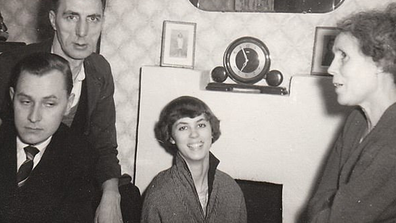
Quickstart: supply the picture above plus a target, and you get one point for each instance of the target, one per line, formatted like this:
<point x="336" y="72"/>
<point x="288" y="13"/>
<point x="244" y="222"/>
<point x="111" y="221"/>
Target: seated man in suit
<point x="46" y="171"/>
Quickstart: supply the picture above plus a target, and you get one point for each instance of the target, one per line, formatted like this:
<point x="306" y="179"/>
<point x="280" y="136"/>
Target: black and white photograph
<point x="179" y="111"/>
<point x="178" y="44"/>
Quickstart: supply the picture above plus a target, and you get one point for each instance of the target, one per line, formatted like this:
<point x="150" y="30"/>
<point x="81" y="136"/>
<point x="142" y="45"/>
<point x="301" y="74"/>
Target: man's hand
<point x="109" y="209"/>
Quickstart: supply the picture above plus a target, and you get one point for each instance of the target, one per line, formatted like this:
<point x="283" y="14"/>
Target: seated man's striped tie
<point x="27" y="166"/>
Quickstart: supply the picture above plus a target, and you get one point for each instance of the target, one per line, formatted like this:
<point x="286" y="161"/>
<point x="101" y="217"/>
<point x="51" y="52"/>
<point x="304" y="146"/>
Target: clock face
<point x="247" y="60"/>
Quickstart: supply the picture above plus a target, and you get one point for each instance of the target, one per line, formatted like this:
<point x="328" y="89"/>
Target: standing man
<point x="77" y="25"/>
<point x="46" y="171"/>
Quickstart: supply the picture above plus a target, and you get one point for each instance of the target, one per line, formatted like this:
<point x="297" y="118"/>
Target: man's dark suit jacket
<point x="60" y="187"/>
<point x="100" y="116"/>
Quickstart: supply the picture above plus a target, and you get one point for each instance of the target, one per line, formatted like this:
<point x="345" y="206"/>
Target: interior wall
<point x="26" y="20"/>
<point x="132" y="38"/>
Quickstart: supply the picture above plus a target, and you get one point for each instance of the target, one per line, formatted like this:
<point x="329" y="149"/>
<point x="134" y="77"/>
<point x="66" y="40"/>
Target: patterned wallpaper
<point x="26" y="20"/>
<point x="132" y="39"/>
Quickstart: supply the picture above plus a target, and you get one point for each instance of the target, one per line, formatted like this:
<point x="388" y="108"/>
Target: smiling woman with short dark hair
<point x="193" y="189"/>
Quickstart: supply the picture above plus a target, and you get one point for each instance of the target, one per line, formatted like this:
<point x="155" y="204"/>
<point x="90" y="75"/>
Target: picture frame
<point x="322" y="50"/>
<point x="178" y="44"/>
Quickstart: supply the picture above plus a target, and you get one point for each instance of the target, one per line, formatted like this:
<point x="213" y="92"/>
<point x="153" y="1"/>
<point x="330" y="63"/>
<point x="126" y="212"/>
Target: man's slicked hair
<point x="55" y="4"/>
<point x="40" y="64"/>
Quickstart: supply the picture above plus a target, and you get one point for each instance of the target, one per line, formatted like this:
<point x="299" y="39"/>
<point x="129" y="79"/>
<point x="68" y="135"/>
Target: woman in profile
<point x="193" y="189"/>
<point x="359" y="180"/>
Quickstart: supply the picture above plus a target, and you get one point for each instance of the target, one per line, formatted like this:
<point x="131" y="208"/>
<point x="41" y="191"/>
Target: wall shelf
<point x="246" y="88"/>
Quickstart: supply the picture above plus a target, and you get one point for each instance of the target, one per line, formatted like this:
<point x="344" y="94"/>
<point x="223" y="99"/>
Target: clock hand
<point x="244" y="54"/>
<point x="244" y="65"/>
<point x="246" y="59"/>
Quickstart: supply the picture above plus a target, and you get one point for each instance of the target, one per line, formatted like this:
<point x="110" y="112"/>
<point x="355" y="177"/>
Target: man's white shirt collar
<point x="21" y="155"/>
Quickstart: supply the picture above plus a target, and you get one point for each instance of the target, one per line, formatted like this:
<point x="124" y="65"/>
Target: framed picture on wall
<point x="322" y="50"/>
<point x="178" y="44"/>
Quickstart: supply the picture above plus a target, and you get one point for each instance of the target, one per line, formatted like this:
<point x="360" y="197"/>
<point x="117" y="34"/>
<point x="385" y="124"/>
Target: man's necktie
<point x="27" y="166"/>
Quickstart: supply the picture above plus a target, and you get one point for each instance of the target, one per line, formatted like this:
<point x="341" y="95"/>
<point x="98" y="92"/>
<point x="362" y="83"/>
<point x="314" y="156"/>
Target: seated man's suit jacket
<point x="100" y="116"/>
<point x="59" y="189"/>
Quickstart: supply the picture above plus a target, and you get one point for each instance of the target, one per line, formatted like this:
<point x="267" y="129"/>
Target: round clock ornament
<point x="219" y="74"/>
<point x="274" y="78"/>
<point x="247" y="60"/>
